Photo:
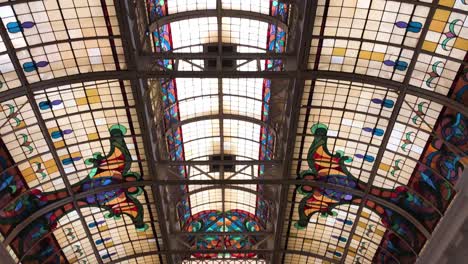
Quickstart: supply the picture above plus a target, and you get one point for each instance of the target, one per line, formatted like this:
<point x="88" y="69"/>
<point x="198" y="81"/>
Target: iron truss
<point x="141" y="67"/>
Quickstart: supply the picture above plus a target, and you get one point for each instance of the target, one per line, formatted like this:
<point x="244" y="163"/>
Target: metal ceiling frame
<point x="287" y="74"/>
<point x="302" y="49"/>
<point x="43" y="128"/>
<point x="218" y="13"/>
<point x="157" y="182"/>
<point x="390" y="126"/>
<point x="297" y="77"/>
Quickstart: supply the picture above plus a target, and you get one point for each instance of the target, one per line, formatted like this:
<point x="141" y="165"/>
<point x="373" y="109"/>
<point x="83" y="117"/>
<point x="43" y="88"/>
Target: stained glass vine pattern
<point x="330" y="168"/>
<point x="34" y="243"/>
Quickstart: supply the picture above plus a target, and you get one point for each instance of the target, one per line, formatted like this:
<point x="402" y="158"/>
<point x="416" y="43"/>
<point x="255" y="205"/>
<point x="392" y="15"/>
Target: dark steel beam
<point x="427" y="4"/>
<point x="197" y="56"/>
<point x="191" y="251"/>
<point x="306" y="74"/>
<point x="144" y="113"/>
<point x="388" y="131"/>
<point x="216" y="13"/>
<point x="284" y="182"/>
<point x="5" y="257"/>
<point x="218" y="162"/>
<point x="302" y="48"/>
<point x="221" y="116"/>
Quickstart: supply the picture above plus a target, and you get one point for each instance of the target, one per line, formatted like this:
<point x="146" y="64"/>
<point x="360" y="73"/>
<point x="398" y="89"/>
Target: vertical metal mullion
<point x="302" y="51"/>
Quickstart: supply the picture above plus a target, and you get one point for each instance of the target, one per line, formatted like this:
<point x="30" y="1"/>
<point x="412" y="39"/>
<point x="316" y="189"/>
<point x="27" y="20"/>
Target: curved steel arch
<point x="76" y="196"/>
<point x="189" y="251"/>
<point x="227" y="187"/>
<point x="214" y="13"/>
<point x="209" y="95"/>
<point x="218" y="117"/>
<point x="200" y="138"/>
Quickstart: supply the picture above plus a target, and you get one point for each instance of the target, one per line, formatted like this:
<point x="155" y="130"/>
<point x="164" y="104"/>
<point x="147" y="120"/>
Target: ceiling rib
<point x="189" y="251"/>
<point x="391" y="124"/>
<point x="144" y="112"/>
<point x="219" y="13"/>
<point x="306" y="74"/>
<point x="225" y="55"/>
<point x="45" y="134"/>
<point x="428" y="4"/>
<point x="153" y="182"/>
<point x="221" y="115"/>
<point x="302" y="48"/>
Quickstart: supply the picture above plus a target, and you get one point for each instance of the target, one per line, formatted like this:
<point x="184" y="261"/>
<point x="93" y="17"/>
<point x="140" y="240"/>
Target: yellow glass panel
<point x="93" y="136"/>
<point x="437" y="26"/>
<point x="364" y="54"/>
<point x="339" y="51"/>
<point x="59" y="144"/>
<point x="461" y="43"/>
<point x="448" y="3"/>
<point x="384" y="167"/>
<point x="429" y="46"/>
<point x="441" y="15"/>
<point x="378" y="56"/>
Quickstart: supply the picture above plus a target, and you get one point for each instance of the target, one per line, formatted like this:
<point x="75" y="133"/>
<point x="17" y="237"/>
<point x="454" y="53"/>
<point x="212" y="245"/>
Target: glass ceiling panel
<point x="60" y="38"/>
<point x="448" y="33"/>
<point x="198" y="31"/>
<point x="199" y="97"/>
<point x="8" y="77"/>
<point x="63" y="59"/>
<point x="117" y="237"/>
<point x="244" y="87"/>
<point x="213" y="200"/>
<point x="422" y="160"/>
<point x="360" y="57"/>
<point x="328" y="232"/>
<point x="71" y="236"/>
<point x="94" y="131"/>
<point x="260" y="6"/>
<point x="296" y="258"/>
<point x="385" y="21"/>
<point x="351" y="114"/>
<point x="201" y="138"/>
<point x="434" y="74"/>
<point x="38" y="22"/>
<point x="178" y="6"/>
<point x="327" y="236"/>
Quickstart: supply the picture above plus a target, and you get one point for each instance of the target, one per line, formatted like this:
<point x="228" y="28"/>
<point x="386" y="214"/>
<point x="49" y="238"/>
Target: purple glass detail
<point x="450" y="34"/>
<point x="389" y="63"/>
<point x="28" y="24"/>
<point x="56" y="102"/>
<point x="42" y="63"/>
<point x="401" y="24"/>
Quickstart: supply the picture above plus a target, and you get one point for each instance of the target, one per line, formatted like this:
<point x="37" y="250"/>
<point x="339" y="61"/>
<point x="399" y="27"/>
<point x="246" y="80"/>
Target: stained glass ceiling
<point x="229" y="131"/>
